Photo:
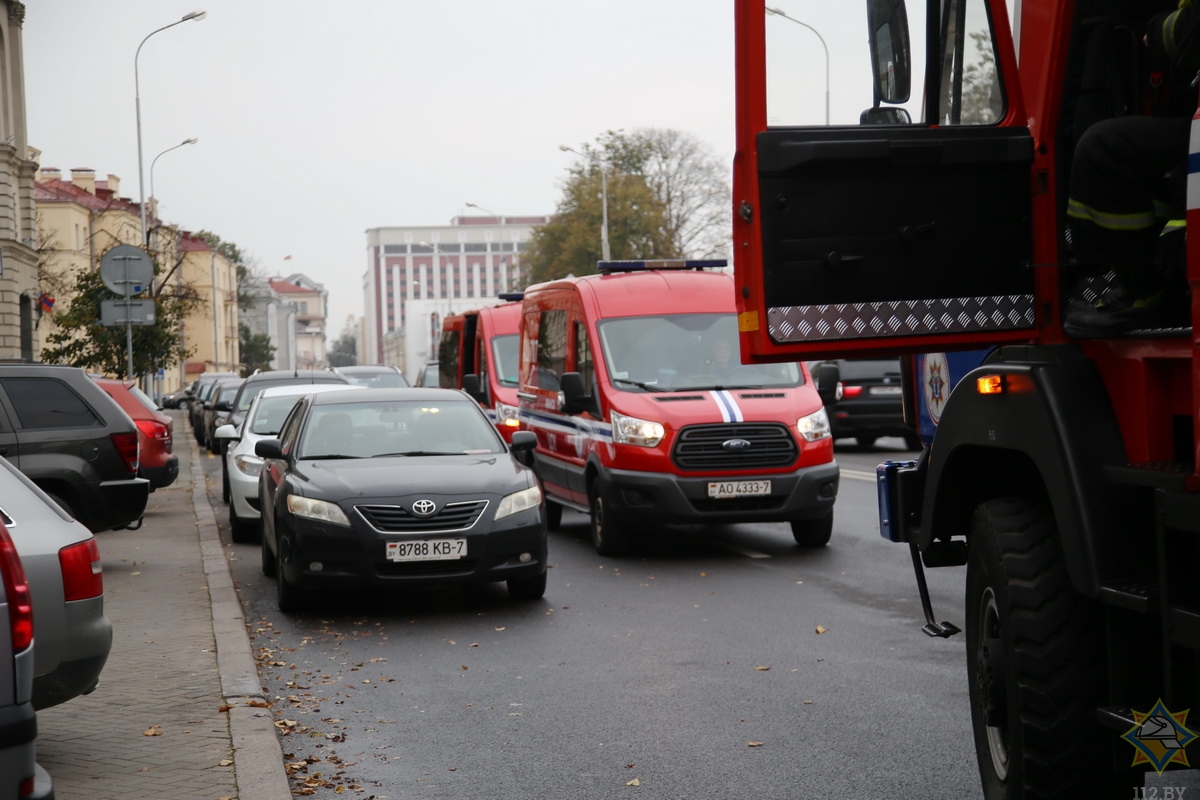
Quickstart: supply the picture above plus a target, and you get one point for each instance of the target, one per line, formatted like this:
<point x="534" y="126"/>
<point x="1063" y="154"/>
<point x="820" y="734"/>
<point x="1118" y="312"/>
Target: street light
<point x="779" y="13"/>
<point x="193" y="140"/>
<point x="604" y="251"/>
<point x="488" y="210"/>
<point x="137" y="100"/>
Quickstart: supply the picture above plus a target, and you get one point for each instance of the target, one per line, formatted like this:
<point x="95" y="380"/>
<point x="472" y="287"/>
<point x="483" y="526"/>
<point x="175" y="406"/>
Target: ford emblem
<point x="424" y="508"/>
<point x="736" y="445"/>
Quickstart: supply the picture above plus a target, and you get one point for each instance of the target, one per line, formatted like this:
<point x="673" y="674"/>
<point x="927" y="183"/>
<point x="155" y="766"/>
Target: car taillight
<point x="16" y="589"/>
<point x="851" y="391"/>
<point x="83" y="576"/>
<point x="127" y="446"/>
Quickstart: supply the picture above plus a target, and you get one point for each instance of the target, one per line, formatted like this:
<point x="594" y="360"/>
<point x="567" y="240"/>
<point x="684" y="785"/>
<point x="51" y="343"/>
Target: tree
<point x="667" y="198"/>
<point x="256" y="350"/>
<point x="80" y="340"/>
<point x="344" y="350"/>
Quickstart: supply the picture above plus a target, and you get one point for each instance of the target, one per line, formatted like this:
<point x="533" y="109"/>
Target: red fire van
<point x="478" y="353"/>
<point x="645" y="414"/>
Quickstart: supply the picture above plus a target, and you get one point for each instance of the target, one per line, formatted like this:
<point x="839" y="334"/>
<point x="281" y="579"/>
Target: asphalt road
<point x="717" y="662"/>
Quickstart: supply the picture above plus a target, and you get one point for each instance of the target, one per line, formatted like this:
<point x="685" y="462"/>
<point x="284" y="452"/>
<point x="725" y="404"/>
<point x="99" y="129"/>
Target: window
<point x="583" y="358"/>
<point x="552" y="348"/>
<point x="48" y="403"/>
<point x="395" y="248"/>
<point x="448" y="360"/>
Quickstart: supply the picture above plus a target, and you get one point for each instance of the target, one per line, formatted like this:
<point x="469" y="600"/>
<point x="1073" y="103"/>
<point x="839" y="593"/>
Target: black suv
<point x="258" y="381"/>
<point x="73" y="440"/>
<point x="870" y="401"/>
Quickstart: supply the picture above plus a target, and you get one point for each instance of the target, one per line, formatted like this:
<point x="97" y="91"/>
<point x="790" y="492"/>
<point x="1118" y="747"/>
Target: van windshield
<point x="506" y="353"/>
<point x="683" y="352"/>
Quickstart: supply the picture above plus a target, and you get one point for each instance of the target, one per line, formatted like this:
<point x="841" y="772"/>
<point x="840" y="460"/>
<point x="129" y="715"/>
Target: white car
<point x="242" y="466"/>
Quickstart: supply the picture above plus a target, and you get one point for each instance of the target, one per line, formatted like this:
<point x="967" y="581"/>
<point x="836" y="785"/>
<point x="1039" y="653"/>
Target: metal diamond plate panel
<point x="900" y="318"/>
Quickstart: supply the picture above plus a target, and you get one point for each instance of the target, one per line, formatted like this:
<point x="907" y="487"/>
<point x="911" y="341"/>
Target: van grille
<point x="702" y="447"/>
<point x="396" y="519"/>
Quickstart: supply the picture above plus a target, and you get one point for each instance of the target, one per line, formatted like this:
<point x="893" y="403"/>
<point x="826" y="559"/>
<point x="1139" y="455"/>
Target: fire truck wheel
<point x="553" y="515"/>
<point x="1035" y="660"/>
<point x="813" y="532"/>
<point x="607" y="537"/>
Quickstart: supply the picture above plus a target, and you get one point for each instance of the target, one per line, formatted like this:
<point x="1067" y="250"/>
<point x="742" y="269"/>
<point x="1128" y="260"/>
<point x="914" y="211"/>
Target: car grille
<point x="395" y="519"/>
<point x="701" y="447"/>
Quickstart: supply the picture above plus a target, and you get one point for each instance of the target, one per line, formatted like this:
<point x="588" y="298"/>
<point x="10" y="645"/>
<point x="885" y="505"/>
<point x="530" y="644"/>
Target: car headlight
<point x="815" y="426"/>
<point x="631" y="430"/>
<point x="507" y="416"/>
<point x="519" y="501"/>
<point x="316" y="509"/>
<point x="248" y="465"/>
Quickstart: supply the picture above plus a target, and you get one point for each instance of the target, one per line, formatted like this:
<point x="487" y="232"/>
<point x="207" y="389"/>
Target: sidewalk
<point x="155" y="726"/>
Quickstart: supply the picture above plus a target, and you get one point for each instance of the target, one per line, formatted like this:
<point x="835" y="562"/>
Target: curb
<point x="257" y="755"/>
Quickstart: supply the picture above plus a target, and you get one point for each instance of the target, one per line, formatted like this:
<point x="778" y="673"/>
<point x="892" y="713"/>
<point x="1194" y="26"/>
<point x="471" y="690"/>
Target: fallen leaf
<point x="761" y="669"/>
<point x="754" y="744"/>
<point x="500" y="629"/>
<point x="821" y="629"/>
<point x="808" y="702"/>
<point x="224" y="762"/>
<point x="634" y="782"/>
<point x="153" y="730"/>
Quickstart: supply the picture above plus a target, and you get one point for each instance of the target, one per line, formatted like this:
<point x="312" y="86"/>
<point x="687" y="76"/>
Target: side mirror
<point x="574" y="399"/>
<point x="222" y="405"/>
<point x="891" y="62"/>
<point x="225" y="432"/>
<point x="828" y="377"/>
<point x="473" y="387"/>
<point x="523" y="441"/>
<point x="268" y="448"/>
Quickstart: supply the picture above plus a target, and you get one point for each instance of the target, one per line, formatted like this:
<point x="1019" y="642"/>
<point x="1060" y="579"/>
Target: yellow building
<point x="211" y="331"/>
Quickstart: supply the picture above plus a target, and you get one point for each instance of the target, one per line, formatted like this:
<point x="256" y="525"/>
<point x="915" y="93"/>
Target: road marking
<point x="858" y="475"/>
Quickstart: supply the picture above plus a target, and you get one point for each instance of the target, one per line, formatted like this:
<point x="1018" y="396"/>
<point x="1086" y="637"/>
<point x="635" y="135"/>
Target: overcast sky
<point x="318" y="120"/>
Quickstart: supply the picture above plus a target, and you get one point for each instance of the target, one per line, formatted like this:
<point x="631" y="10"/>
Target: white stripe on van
<point x="730" y="412"/>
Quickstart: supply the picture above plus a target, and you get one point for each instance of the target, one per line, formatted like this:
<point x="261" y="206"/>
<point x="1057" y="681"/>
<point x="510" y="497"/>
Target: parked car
<point x="218" y="410"/>
<point x="20" y="775"/>
<point x="177" y="398"/>
<point x="73" y="440"/>
<point x="156" y="431"/>
<point x="239" y="477"/>
<point x="62" y="563"/>
<point x="869" y="402"/>
<point x="258" y="381"/>
<point x="201" y="391"/>
<point x="428" y="376"/>
<point x="375" y="376"/>
<point x="384" y="487"/>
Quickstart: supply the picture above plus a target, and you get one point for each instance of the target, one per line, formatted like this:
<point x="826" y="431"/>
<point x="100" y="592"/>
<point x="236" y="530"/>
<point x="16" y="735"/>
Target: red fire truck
<point x="927" y="219"/>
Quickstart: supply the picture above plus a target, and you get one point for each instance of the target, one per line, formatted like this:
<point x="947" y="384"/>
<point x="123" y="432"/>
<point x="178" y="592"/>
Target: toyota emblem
<point x="736" y="445"/>
<point x="424" y="508"/>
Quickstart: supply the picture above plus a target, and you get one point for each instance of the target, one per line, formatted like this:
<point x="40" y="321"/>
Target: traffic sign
<point x="127" y="312"/>
<point x="126" y="269"/>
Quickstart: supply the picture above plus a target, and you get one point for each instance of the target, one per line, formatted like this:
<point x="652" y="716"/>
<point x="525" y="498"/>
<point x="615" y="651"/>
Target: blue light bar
<point x="606" y="267"/>
<point x="511" y="297"/>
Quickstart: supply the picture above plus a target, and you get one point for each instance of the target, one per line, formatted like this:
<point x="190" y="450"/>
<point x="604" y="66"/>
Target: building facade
<point x="310" y="302"/>
<point x="417" y="275"/>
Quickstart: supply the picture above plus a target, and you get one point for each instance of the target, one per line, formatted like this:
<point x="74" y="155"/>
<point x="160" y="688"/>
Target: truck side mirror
<point x="828" y="377"/>
<point x="472" y="386"/>
<point x="574" y="399"/>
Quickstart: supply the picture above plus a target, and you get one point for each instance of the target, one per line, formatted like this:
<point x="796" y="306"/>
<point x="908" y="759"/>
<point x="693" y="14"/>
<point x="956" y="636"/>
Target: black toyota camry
<point x="379" y="487"/>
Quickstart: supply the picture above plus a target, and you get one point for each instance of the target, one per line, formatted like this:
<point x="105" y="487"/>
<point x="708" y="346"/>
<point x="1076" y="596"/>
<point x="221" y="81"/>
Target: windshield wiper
<point x="419" y="453"/>
<point x="716" y="388"/>
<point x="649" y="387"/>
<point x="327" y="456"/>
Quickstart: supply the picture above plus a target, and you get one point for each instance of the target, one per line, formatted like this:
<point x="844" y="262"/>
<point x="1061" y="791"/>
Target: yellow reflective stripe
<point x="1118" y="222"/>
<point x="1173" y="225"/>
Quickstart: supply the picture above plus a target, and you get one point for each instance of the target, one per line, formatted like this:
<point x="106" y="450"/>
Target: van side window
<point x="481" y="364"/>
<point x="552" y="348"/>
<point x="583" y="358"/>
<point x="448" y="360"/>
<point x="42" y="403"/>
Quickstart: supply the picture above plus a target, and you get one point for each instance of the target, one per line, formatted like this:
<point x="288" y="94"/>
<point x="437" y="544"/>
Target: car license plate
<point x="885" y="390"/>
<point x="723" y="490"/>
<point x="426" y="550"/>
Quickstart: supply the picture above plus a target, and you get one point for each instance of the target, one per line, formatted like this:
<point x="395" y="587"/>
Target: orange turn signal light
<point x="990" y="384"/>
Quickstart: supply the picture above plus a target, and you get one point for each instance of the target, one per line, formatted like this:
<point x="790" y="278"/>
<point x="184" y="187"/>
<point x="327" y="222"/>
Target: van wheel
<point x="553" y="516"/>
<point x="813" y="532"/>
<point x="865" y="441"/>
<point x="63" y="504"/>
<point x="1035" y="660"/>
<point x="606" y="537"/>
<point x="912" y="441"/>
<point x="527" y="588"/>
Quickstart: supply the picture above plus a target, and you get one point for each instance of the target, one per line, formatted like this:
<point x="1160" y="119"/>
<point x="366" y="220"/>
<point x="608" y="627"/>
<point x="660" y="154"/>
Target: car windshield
<point x="506" y="354"/>
<point x="270" y="414"/>
<point x="252" y="390"/>
<point x="370" y="429"/>
<point x="683" y="352"/>
<point x="383" y="379"/>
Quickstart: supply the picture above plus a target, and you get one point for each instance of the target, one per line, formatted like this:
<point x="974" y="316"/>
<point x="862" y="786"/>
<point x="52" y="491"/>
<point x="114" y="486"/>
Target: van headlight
<point x="631" y="430"/>
<point x="519" y="501"/>
<point x="507" y="416"/>
<point x="815" y="426"/>
<point x="316" y="509"/>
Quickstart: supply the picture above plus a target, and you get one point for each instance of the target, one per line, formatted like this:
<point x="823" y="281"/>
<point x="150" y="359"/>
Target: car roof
<point x="355" y="369"/>
<point x="275" y="374"/>
<point x="296" y="389"/>
<point x="394" y="395"/>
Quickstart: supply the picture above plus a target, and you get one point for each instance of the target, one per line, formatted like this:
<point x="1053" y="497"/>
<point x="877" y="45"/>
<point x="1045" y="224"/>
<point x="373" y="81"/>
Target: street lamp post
<point x="513" y="278"/>
<point x="605" y="254"/>
<point x="779" y="13"/>
<point x="193" y="140"/>
<point x="488" y="210"/>
<point x="137" y="100"/>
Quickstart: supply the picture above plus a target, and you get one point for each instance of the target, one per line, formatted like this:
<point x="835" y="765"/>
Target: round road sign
<point x="126" y="269"/>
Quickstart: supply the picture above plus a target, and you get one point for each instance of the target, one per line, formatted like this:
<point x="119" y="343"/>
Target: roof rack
<point x="605" y="267"/>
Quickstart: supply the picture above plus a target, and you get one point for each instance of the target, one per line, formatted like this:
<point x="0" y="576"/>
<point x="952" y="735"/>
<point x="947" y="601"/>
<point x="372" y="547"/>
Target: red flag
<point x="287" y="258"/>
<point x="47" y="302"/>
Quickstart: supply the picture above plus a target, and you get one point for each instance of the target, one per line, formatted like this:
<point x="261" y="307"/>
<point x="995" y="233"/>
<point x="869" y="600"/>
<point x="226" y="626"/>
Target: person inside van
<point x="721" y="362"/>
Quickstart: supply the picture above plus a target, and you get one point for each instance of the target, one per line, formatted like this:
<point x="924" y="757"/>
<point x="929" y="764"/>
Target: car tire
<point x="912" y="441"/>
<point x="288" y="595"/>
<point x="268" y="558"/>
<point x="241" y="531"/>
<point x="224" y="483"/>
<point x="813" y="532"/>
<point x="554" y="514"/>
<point x="63" y="504"/>
<point x="527" y="588"/>
<point x="1036" y="666"/>
<point x="606" y="537"/>
<point x="865" y="441"/>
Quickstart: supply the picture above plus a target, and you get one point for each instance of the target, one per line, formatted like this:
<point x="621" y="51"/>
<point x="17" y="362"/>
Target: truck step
<point x="1138" y="596"/>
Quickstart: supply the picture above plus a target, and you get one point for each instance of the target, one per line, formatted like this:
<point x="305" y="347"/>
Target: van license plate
<point x="723" y="490"/>
<point x="426" y="550"/>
